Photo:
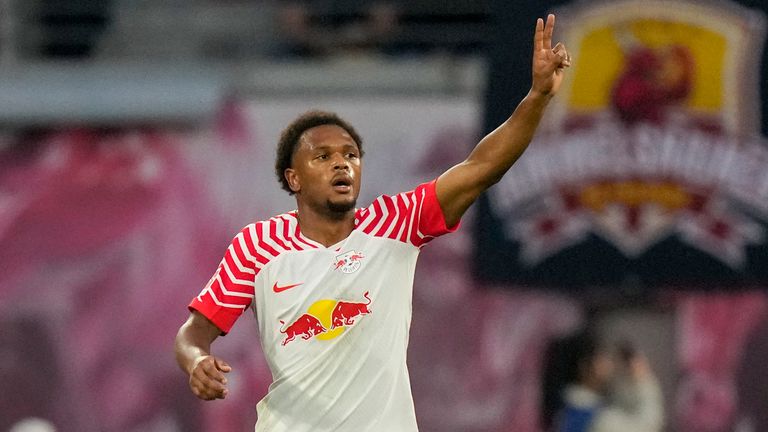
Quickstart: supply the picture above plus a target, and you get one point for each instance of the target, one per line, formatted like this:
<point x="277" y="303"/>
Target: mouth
<point x="342" y="184"/>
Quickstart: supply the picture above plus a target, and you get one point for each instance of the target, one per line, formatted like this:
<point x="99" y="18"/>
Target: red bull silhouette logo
<point x="306" y="327"/>
<point x="345" y="312"/>
<point x="348" y="262"/>
<point x="325" y="320"/>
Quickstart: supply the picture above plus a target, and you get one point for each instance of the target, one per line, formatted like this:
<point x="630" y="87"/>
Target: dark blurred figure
<point x="28" y="371"/>
<point x="752" y="381"/>
<point x="72" y="29"/>
<point x="313" y="28"/>
<point x="588" y="388"/>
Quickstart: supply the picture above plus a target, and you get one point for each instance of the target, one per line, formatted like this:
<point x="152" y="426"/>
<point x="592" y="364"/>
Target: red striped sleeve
<point x="375" y="215"/>
<point x="262" y="246"/>
<point x="231" y="289"/>
<point x="276" y="235"/>
<point x="389" y="218"/>
<point x="402" y="221"/>
<point x="410" y="201"/>
<point x="413" y="217"/>
<point x="260" y="258"/>
<point x="287" y="234"/>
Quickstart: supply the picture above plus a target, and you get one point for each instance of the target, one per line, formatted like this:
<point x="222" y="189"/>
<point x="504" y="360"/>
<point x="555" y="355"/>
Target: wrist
<point x="539" y="95"/>
<point x="195" y="361"/>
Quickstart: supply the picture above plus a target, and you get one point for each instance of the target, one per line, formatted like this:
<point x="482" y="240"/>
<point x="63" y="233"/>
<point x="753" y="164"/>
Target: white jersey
<point x="333" y="321"/>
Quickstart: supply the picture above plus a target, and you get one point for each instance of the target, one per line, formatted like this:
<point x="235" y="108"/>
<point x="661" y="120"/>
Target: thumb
<point x="222" y="365"/>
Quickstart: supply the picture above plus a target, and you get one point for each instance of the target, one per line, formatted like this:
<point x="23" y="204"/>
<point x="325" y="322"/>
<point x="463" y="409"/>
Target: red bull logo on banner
<point x="653" y="168"/>
<point x="326" y="319"/>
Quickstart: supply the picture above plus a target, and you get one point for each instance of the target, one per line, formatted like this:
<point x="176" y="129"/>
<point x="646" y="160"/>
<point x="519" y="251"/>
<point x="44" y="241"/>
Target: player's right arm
<point x="193" y="354"/>
<point x="228" y="293"/>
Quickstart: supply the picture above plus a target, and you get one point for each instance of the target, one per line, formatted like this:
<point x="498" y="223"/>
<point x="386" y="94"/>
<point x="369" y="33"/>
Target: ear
<point x="293" y="179"/>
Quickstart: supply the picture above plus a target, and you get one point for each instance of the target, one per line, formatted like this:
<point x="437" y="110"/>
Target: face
<point x="600" y="371"/>
<point x="325" y="170"/>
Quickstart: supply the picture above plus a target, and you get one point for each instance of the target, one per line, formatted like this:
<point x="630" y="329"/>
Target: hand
<point x="548" y="63"/>
<point x="207" y="380"/>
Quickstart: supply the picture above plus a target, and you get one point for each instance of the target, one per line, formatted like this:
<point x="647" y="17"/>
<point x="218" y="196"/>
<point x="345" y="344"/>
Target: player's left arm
<point x="461" y="185"/>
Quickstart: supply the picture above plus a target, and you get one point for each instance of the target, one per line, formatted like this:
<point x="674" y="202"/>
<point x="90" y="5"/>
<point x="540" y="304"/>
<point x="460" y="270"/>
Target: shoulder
<point x="274" y="236"/>
<point x="398" y="216"/>
<point x="262" y="227"/>
<point x="386" y="202"/>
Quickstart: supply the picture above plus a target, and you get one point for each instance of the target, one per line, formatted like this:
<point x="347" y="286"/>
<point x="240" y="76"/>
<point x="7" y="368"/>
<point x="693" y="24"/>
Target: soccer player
<point x="331" y="284"/>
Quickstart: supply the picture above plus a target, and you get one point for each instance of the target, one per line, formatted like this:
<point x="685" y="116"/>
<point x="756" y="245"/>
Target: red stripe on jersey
<point x="232" y="285"/>
<point x="303" y="239"/>
<point x="229" y="299"/>
<point x="229" y="260"/>
<point x="376" y="217"/>
<point x="410" y="199"/>
<point x="262" y="245"/>
<point x="223" y="317"/>
<point x="249" y="243"/>
<point x="416" y="238"/>
<point x="240" y="255"/>
<point x="299" y="237"/>
<point x="274" y="236"/>
<point x="287" y="235"/>
<point x="361" y="215"/>
<point x="402" y="216"/>
<point x="388" y="202"/>
<point x="413" y="217"/>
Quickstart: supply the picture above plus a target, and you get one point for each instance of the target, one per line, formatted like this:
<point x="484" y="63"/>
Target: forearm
<point x="193" y="341"/>
<point x="460" y="186"/>
<point x="502" y="147"/>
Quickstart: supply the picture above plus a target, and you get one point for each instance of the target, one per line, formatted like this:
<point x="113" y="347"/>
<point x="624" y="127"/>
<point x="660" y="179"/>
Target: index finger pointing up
<point x="538" y="36"/>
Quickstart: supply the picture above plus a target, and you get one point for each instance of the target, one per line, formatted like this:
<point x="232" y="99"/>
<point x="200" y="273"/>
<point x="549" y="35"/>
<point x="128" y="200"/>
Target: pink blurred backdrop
<point x="105" y="235"/>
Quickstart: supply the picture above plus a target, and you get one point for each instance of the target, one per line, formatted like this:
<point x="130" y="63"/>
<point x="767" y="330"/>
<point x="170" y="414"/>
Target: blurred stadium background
<point x="137" y="136"/>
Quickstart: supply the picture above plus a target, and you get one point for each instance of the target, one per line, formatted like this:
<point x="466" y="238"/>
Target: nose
<point x="340" y="162"/>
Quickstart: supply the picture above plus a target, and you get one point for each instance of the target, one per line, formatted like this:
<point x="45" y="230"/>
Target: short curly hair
<point x="289" y="139"/>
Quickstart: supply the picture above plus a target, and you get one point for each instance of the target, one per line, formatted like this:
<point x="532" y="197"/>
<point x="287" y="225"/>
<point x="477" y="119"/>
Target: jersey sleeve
<point x="231" y="289"/>
<point x="413" y="217"/>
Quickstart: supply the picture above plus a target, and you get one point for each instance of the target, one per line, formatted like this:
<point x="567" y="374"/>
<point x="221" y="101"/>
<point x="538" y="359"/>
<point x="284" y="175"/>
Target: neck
<point x="326" y="228"/>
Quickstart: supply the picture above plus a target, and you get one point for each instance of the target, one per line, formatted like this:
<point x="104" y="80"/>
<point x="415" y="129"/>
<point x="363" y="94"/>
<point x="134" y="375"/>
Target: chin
<point x="342" y="206"/>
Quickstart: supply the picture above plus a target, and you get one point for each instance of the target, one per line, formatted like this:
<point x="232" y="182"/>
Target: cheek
<point x="311" y="173"/>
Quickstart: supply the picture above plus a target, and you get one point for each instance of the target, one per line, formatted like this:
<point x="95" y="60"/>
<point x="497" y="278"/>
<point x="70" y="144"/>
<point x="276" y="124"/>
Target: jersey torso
<point x="333" y="320"/>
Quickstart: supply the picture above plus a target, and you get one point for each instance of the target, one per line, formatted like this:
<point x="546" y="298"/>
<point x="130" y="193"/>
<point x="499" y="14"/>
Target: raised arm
<point x="460" y="186"/>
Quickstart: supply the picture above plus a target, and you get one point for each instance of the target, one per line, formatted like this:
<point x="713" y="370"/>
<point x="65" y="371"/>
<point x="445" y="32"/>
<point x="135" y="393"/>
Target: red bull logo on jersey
<point x="344" y="313"/>
<point x="348" y="262"/>
<point x="305" y="327"/>
<point x="325" y="319"/>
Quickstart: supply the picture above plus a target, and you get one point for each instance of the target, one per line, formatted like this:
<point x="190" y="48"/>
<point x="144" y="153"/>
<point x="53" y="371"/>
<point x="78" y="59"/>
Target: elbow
<point x="492" y="178"/>
<point x="489" y="173"/>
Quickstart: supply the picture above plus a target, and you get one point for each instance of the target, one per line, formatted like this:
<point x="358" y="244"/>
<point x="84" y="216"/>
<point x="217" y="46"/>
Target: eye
<point x="352" y="155"/>
<point x="322" y="156"/>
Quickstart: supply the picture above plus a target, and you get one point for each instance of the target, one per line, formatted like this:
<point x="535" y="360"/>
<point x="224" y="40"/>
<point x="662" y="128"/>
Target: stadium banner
<point x="651" y="170"/>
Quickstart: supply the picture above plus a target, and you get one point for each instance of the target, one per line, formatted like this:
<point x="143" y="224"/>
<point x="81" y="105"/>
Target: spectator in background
<point x="317" y="29"/>
<point x="605" y="392"/>
<point x="752" y="381"/>
<point x="29" y="372"/>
